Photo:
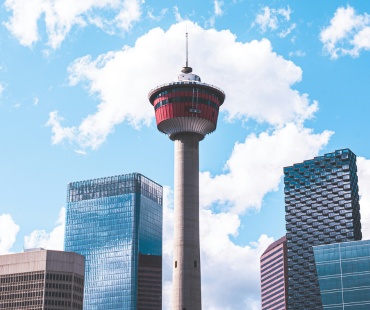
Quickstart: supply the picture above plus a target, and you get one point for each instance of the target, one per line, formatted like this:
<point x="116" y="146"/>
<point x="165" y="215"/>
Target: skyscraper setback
<point x="322" y="207"/>
<point x="116" y="223"/>
<point x="186" y="111"/>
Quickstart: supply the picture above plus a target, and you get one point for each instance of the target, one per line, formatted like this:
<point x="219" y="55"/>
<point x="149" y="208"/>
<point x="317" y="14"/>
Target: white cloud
<point x="267" y="19"/>
<point x="80" y="152"/>
<point x="61" y="15"/>
<point x="255" y="166"/>
<point x="297" y="53"/>
<point x="2" y="87"/>
<point x="8" y="233"/>
<point x="217" y="12"/>
<point x="272" y="19"/>
<point x="159" y="17"/>
<point x="287" y="31"/>
<point x="51" y="241"/>
<point x="347" y="34"/>
<point x="285" y="13"/>
<point x="218" y="7"/>
<point x="59" y="132"/>
<point x="122" y="79"/>
<point x="177" y="14"/>
<point x="363" y="167"/>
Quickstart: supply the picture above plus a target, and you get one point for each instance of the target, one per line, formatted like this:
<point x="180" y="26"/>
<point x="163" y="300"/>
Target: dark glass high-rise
<point x="116" y="223"/>
<point x="322" y="207"/>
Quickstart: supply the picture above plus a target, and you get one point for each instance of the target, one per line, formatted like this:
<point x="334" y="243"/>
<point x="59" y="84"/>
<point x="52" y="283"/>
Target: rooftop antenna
<point x="187" y="55"/>
<point x="187" y="69"/>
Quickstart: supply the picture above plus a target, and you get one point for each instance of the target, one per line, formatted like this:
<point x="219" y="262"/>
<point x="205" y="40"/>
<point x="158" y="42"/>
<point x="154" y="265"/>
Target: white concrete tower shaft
<point x="186" y="280"/>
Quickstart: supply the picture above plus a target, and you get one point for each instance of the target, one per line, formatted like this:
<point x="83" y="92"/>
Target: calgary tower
<point x="186" y="110"/>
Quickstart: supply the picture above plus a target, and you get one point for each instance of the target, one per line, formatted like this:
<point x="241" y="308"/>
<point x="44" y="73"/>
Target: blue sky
<point x="74" y="79"/>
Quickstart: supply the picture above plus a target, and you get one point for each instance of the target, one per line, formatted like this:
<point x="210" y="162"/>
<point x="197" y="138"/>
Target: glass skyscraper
<point x="343" y="271"/>
<point x="116" y="223"/>
<point x="322" y="207"/>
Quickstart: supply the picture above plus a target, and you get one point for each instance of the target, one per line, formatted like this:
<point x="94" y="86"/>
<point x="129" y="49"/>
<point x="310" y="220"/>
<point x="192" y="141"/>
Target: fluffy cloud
<point x="61" y="15"/>
<point x="59" y="132"/>
<point x="347" y="34"/>
<point x="259" y="162"/>
<point x="122" y="79"/>
<point x="51" y="241"/>
<point x="8" y="233"/>
<point x="363" y="166"/>
<point x="272" y="19"/>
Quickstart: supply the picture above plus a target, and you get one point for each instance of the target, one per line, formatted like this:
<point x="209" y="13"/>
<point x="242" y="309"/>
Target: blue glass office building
<point x="322" y="207"/>
<point x="116" y="223"/>
<point x="343" y="270"/>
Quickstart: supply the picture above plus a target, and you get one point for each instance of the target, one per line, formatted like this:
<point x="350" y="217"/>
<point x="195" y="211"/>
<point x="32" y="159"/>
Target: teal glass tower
<point x="343" y="270"/>
<point x="116" y="223"/>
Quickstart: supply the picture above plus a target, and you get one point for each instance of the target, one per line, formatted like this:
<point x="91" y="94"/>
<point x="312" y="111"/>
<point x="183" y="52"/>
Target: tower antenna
<point x="187" y="69"/>
<point x="187" y="54"/>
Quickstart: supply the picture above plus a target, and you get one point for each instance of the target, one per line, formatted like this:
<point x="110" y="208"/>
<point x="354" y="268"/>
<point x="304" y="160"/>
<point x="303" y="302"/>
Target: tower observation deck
<point x="187" y="105"/>
<point x="186" y="111"/>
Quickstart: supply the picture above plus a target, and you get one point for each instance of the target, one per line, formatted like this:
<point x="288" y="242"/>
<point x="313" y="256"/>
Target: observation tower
<point x="186" y="110"/>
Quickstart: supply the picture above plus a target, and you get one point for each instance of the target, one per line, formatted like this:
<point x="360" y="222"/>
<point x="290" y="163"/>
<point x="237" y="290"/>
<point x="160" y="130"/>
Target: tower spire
<point x="187" y="55"/>
<point x="187" y="69"/>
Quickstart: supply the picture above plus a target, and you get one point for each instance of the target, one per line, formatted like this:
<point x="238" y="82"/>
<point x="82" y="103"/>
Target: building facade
<point x="273" y="264"/>
<point x="116" y="223"/>
<point x="322" y="207"/>
<point x="343" y="271"/>
<point x="41" y="280"/>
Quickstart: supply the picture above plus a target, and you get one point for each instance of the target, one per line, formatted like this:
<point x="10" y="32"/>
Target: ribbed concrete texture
<point x="186" y="290"/>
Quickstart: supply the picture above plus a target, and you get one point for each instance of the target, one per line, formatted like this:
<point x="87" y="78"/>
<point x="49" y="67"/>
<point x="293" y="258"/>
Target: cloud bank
<point x="60" y="16"/>
<point x="255" y="79"/>
<point x="347" y="34"/>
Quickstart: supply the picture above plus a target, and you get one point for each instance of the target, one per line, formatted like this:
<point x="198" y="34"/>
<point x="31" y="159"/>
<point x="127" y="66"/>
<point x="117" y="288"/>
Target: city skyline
<point x="73" y="106"/>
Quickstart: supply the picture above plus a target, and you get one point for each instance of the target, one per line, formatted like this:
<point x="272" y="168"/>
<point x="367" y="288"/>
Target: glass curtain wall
<point x="343" y="271"/>
<point x="112" y="221"/>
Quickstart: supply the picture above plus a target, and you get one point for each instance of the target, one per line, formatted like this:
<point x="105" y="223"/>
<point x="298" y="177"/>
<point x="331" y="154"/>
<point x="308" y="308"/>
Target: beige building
<point x="41" y="279"/>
